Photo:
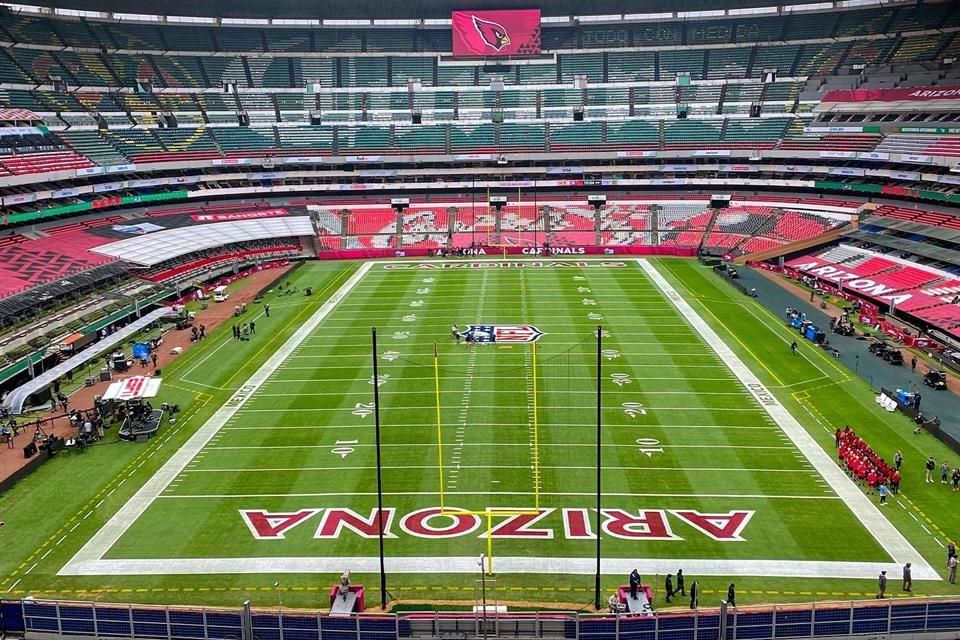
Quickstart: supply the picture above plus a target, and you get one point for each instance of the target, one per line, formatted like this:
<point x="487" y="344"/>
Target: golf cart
<point x="935" y="379"/>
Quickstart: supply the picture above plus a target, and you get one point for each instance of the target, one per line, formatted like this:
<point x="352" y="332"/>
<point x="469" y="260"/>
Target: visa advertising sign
<point x="496" y="33"/>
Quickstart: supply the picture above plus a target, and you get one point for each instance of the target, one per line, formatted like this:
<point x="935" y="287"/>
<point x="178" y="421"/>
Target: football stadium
<point x="440" y="319"/>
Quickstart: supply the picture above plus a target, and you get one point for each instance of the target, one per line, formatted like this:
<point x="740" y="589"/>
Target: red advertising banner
<point x="239" y="215"/>
<point x="911" y="94"/>
<point x="496" y="33"/>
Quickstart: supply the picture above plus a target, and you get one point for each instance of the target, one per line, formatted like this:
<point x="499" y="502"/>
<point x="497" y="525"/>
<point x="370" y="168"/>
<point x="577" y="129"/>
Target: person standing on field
<point x="793" y="348"/>
<point x="680" y="588"/>
<point x="694" y="595"/>
<point x="907" y="577"/>
<point x="952" y="566"/>
<point x="944" y="472"/>
<point x="930" y="466"/>
<point x="668" y="587"/>
<point x="881" y="585"/>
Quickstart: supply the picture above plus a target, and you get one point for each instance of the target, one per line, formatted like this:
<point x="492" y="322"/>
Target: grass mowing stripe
<point x="894" y="543"/>
<point x="86" y="559"/>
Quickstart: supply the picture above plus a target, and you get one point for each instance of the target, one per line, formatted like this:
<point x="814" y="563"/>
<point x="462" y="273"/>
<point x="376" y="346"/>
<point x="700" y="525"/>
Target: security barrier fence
<point x="47" y="619"/>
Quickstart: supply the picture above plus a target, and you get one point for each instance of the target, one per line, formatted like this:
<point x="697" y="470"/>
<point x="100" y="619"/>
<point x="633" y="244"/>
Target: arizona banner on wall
<point x="496" y="33"/>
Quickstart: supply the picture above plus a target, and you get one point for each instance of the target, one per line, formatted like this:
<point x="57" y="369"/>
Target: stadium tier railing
<point x="40" y="619"/>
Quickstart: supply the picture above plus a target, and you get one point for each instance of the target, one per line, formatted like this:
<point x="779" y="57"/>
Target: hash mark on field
<point x="453" y="477"/>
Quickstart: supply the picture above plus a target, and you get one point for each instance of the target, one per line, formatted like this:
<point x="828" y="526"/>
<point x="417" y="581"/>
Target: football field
<point x="491" y="446"/>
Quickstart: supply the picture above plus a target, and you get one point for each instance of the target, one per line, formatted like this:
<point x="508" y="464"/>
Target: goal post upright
<point x="536" y="430"/>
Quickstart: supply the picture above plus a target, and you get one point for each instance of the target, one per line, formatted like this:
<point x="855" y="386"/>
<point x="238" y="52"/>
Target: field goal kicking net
<point x="490" y="406"/>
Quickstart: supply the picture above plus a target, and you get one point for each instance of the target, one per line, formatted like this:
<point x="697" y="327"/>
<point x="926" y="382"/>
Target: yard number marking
<point x="342" y="450"/>
<point x="620" y="379"/>
<point x="363" y="409"/>
<point x="381" y="379"/>
<point x="648" y="446"/>
<point x="634" y="409"/>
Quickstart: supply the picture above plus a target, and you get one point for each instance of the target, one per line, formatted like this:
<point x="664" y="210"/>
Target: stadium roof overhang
<point x="407" y="9"/>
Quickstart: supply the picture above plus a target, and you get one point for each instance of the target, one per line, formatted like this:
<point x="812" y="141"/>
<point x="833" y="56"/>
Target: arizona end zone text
<point x="451" y="522"/>
<point x="506" y="264"/>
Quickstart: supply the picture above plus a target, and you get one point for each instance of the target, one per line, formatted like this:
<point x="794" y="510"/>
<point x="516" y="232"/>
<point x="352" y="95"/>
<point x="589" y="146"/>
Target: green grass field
<point x="717" y="450"/>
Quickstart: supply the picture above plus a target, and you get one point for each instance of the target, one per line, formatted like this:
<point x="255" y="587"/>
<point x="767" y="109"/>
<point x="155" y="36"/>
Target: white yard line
<point x="95" y="548"/>
<point x="433" y="467"/>
<point x="487" y="494"/>
<point x="511" y="425"/>
<point x="466" y="565"/>
<point x="501" y="445"/>
<point x="863" y="509"/>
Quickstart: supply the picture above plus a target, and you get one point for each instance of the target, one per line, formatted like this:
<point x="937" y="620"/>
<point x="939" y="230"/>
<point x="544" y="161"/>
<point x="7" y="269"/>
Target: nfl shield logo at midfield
<point x="501" y="333"/>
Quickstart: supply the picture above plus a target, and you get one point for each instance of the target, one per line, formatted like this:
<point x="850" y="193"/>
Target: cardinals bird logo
<point x="492" y="33"/>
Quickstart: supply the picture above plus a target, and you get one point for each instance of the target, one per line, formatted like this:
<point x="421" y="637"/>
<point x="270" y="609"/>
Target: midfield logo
<point x="485" y="333"/>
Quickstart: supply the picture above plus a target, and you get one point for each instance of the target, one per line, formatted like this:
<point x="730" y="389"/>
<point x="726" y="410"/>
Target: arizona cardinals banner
<point x="496" y="33"/>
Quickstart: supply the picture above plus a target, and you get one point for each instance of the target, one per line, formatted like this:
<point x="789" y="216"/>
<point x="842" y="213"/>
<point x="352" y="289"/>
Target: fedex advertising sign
<point x="496" y="33"/>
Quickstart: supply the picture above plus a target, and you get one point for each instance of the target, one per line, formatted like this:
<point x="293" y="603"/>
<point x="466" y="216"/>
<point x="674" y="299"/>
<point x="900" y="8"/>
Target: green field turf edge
<point x="36" y="528"/>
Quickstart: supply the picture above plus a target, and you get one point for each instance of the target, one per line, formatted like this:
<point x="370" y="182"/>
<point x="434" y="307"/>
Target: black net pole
<point x="596" y="586"/>
<point x="376" y="416"/>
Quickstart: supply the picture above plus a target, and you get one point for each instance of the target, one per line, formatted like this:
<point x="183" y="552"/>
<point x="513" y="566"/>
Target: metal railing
<point x="48" y="619"/>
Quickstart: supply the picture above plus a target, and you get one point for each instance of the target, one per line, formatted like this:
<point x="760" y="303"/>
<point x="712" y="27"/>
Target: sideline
<point x="89" y="559"/>
<point x="892" y="541"/>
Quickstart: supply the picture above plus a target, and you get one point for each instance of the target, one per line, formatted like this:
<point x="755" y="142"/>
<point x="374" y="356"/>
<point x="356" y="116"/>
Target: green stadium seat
<point x="240" y="141"/>
<point x="184" y="38"/>
<point x="575" y="136"/>
<point x="94" y="146"/>
<point x="522" y="136"/>
<point x="180" y="71"/>
<point x="450" y="75"/>
<point x="581" y="64"/>
<point x="422" y="139"/>
<point x="320" y="70"/>
<point x="538" y="74"/>
<point x="780" y="58"/>
<point x="684" y="60"/>
<point x="363" y="140"/>
<point x="919" y="48"/>
<point x="661" y="33"/>
<point x="678" y="133"/>
<point x="403" y="68"/>
<point x="728" y="63"/>
<point x="817" y="59"/>
<point x="270" y="72"/>
<point x="472" y="138"/>
<point x="287" y="40"/>
<point x="363" y="72"/>
<point x="630" y="66"/>
<point x="633" y="134"/>
<point x="315" y="139"/>
<point x="238" y="39"/>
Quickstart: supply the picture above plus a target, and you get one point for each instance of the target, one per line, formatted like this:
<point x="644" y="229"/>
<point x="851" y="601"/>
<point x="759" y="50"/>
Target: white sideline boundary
<point x="89" y="559"/>
<point x="863" y="509"/>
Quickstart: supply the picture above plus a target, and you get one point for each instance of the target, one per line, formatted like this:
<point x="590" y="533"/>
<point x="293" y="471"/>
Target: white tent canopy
<point x="15" y="399"/>
<point x="160" y="246"/>
<point x="133" y="388"/>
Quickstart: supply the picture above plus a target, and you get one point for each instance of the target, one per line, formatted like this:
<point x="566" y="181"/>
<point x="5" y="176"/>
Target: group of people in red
<point x="863" y="463"/>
